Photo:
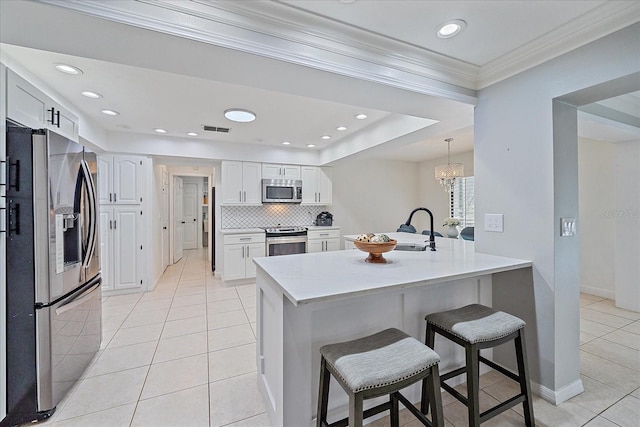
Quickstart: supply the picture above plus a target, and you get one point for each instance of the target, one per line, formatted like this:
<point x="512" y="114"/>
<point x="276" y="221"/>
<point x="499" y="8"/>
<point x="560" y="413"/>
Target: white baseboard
<point x="598" y="292"/>
<point x="558" y="396"/>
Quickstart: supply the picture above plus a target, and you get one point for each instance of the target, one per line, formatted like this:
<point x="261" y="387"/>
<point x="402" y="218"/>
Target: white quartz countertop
<point x="324" y="276"/>
<point x="241" y="230"/>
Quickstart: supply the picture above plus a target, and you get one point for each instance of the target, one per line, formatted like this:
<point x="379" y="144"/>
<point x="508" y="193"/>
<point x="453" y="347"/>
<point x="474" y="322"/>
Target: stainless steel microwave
<point x="281" y="191"/>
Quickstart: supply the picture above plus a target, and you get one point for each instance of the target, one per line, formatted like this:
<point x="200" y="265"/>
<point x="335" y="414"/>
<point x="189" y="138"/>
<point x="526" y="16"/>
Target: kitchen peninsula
<point x="308" y="300"/>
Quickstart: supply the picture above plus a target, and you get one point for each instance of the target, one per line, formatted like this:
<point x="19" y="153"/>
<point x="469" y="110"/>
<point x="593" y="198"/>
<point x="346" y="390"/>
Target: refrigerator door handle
<point x="87" y="256"/>
<point x="79" y="300"/>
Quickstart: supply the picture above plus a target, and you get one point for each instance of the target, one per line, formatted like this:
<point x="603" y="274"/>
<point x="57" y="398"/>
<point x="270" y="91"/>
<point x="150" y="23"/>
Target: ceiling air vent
<point x="215" y="129"/>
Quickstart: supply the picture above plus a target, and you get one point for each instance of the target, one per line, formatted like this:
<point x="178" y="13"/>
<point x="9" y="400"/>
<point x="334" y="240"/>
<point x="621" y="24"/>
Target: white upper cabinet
<point x="241" y="183"/>
<point x="317" y="188"/>
<point x="30" y="107"/>
<point x="120" y="180"/>
<point x="273" y="171"/>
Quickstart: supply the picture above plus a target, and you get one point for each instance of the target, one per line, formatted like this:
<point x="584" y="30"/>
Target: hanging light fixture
<point x="448" y="173"/>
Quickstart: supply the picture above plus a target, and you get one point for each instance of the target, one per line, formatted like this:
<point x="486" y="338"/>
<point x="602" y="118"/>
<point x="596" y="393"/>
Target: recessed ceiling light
<point x="286" y="143"/>
<point x="192" y="134"/>
<point x="451" y="28"/>
<point x="341" y="128"/>
<point x="361" y="116"/>
<point x="311" y="145"/>
<point x="68" y="69"/>
<point x="239" y="115"/>
<point x="160" y="130"/>
<point x="326" y="137"/>
<point x="92" y="95"/>
<point x="110" y="112"/>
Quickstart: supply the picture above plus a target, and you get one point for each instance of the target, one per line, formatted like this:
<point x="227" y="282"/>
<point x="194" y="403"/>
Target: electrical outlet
<point x="494" y="222"/>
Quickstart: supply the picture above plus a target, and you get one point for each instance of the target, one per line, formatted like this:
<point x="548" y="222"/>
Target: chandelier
<point x="448" y="173"/>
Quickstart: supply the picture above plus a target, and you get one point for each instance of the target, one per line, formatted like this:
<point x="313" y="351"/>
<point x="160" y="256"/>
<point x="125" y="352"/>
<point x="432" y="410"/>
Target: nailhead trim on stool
<point x="475" y="327"/>
<point x="377" y="365"/>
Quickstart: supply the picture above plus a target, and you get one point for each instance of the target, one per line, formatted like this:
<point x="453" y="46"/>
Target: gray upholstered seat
<point x="476" y="327"/>
<point x="376" y="365"/>
<point x="379" y="360"/>
<point x="476" y="323"/>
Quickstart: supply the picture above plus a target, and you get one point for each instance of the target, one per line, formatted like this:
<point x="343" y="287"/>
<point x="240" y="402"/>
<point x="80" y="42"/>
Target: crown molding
<point x="599" y="22"/>
<point x="280" y="31"/>
<point x="312" y="42"/>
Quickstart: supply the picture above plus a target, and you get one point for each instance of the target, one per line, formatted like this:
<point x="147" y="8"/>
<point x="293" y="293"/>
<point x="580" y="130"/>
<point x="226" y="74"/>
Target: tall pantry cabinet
<point x="120" y="184"/>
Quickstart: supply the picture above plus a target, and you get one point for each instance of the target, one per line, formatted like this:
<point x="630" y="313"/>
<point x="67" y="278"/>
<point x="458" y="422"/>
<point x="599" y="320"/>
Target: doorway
<point x="190" y="221"/>
<point x="178" y="220"/>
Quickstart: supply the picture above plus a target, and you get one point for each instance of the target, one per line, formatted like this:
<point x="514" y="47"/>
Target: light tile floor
<point x="184" y="355"/>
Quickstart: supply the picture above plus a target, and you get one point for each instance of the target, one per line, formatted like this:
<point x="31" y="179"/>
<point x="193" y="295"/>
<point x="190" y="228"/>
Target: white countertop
<point x="241" y="230"/>
<point x="323" y="276"/>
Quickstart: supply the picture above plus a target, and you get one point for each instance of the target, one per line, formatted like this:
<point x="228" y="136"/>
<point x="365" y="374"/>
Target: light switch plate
<point x="494" y="222"/>
<point x="567" y="226"/>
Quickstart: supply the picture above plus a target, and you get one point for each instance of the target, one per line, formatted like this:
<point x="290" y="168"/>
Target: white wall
<point x="597" y="232"/>
<point x="373" y="195"/>
<point x="433" y="196"/>
<point x="526" y="168"/>
<point x="626" y="216"/>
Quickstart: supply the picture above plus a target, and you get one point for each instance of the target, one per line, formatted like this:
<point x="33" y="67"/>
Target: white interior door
<point x="190" y="215"/>
<point x="178" y="232"/>
<point x="165" y="219"/>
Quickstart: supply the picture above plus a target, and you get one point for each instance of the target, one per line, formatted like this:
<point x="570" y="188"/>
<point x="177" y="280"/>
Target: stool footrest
<point x="498" y="409"/>
<point x="366" y="414"/>
<point x="453" y="392"/>
<point x="419" y="415"/>
<point x="453" y="373"/>
<point x="500" y="369"/>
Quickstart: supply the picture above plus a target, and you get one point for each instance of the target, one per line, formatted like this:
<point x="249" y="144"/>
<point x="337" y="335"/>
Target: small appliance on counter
<point x="324" y="219"/>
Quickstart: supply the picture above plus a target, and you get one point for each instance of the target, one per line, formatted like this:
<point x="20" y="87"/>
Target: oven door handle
<point x="278" y="240"/>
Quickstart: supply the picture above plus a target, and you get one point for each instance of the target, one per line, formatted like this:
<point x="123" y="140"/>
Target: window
<point x="463" y="202"/>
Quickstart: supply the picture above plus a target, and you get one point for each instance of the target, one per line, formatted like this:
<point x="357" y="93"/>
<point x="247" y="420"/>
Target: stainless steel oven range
<point x="286" y="240"/>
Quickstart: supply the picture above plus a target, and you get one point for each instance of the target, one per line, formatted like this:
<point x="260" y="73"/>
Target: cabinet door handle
<point x="115" y="197"/>
<point x="115" y="224"/>
<point x="57" y="124"/>
<point x="248" y="255"/>
<point x="240" y="192"/>
<point x="243" y="252"/>
<point x="110" y="197"/>
<point x="110" y="225"/>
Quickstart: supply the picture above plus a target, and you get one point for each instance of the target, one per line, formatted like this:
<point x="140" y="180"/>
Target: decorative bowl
<point x="376" y="250"/>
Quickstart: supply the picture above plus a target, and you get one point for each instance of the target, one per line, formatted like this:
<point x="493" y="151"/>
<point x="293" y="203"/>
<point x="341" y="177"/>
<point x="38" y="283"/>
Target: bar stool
<point x="475" y="327"/>
<point x="377" y="365"/>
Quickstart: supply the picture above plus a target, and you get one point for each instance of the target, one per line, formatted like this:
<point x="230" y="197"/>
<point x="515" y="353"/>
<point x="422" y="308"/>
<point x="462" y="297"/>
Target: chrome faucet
<point x="432" y="239"/>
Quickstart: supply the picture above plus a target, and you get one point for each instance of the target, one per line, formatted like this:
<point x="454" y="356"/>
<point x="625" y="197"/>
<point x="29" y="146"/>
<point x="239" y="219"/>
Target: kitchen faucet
<point x="432" y="239"/>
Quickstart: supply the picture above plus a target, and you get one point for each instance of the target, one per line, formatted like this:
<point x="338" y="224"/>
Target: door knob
<point x="184" y="222"/>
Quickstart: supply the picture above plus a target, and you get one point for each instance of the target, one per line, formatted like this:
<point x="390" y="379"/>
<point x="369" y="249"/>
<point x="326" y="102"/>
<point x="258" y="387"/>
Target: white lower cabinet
<point x="121" y="247"/>
<point x="238" y="253"/>
<point x="323" y="240"/>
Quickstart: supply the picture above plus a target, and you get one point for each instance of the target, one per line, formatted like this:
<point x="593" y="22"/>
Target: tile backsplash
<point x="268" y="215"/>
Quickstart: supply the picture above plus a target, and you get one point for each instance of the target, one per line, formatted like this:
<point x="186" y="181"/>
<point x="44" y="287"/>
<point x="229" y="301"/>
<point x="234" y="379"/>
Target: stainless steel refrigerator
<point x="54" y="311"/>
